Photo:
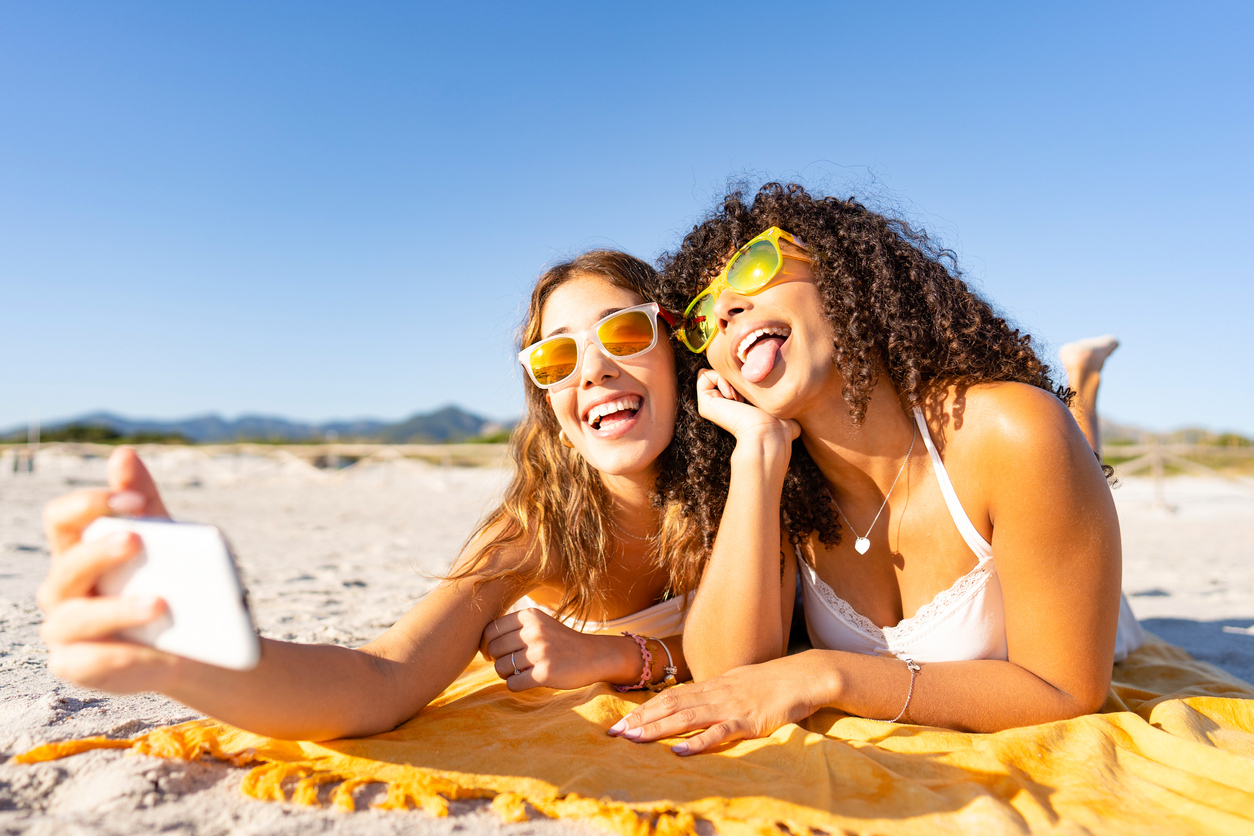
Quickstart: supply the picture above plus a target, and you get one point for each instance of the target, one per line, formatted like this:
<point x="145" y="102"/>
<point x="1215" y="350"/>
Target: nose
<point x="596" y="367"/>
<point x="729" y="305"/>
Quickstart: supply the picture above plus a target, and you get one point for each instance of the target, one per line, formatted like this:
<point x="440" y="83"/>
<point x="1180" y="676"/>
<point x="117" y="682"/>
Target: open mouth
<point x="606" y="415"/>
<point x="759" y="349"/>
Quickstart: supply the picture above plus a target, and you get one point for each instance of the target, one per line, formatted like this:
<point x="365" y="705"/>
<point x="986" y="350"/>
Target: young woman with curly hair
<point x="582" y="530"/>
<point x="954" y="535"/>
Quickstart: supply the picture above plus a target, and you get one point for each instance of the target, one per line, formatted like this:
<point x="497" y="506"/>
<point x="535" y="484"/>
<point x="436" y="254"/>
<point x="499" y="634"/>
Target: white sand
<point x="339" y="559"/>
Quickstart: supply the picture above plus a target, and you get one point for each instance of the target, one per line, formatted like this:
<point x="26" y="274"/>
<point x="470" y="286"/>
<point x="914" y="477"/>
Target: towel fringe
<point x="271" y="780"/>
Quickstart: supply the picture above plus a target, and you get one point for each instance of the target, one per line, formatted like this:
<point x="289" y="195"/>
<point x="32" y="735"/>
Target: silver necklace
<point x="625" y="532"/>
<point x="864" y="542"/>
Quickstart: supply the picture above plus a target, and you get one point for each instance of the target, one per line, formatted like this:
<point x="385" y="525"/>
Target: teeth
<point x="750" y="339"/>
<point x="601" y="410"/>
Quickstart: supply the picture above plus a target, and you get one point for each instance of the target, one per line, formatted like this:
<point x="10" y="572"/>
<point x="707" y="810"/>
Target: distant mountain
<point x="1113" y="433"/>
<point x="450" y="423"/>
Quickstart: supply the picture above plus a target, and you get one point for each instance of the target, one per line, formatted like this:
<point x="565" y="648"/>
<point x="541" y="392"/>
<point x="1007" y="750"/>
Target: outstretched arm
<point x="297" y="691"/>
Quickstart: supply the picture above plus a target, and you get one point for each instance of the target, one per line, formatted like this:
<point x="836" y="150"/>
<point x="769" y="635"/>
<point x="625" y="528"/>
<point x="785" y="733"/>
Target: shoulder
<point x="1007" y="439"/>
<point x="988" y="419"/>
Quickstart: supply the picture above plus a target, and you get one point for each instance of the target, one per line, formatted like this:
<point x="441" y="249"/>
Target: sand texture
<point x="338" y="558"/>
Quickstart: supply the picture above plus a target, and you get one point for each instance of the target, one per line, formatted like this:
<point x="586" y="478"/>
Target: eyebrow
<point x="602" y="315"/>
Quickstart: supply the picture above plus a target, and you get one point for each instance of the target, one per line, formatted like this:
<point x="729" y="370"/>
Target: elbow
<point x="1087" y="698"/>
<point x="707" y="663"/>
<point x="1092" y="701"/>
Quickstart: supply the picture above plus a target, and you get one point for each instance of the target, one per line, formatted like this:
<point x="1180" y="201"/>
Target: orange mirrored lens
<point x="754" y="267"/>
<point x="627" y="334"/>
<point x="553" y="361"/>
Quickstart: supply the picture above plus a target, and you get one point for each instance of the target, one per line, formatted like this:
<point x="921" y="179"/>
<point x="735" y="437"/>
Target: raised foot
<point x="1088" y="354"/>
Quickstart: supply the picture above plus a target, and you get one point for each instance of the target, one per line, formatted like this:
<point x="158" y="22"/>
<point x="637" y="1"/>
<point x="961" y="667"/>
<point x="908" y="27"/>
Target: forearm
<point x="976" y="696"/>
<point x="305" y="692"/>
<point x="736" y="616"/>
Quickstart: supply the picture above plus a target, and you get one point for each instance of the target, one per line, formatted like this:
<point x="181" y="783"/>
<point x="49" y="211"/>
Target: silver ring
<point x="515" y="664"/>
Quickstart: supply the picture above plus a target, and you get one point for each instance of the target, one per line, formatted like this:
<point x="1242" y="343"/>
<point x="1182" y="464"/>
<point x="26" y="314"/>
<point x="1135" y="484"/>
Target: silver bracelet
<point x="914" y="668"/>
<point x="669" y="673"/>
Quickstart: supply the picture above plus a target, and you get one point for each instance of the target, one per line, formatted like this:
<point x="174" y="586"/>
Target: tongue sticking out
<point x="760" y="359"/>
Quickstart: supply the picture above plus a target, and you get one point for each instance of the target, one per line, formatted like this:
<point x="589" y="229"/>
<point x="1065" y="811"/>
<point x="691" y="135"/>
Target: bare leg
<point x="1083" y="360"/>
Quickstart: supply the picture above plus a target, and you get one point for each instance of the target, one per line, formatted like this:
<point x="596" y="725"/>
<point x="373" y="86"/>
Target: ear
<point x="548" y="399"/>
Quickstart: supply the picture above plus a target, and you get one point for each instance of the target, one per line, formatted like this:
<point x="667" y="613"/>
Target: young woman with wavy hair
<point x="582" y="530"/>
<point x="956" y="542"/>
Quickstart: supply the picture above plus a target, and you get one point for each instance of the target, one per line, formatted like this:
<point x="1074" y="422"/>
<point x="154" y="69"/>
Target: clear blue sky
<point x="334" y="210"/>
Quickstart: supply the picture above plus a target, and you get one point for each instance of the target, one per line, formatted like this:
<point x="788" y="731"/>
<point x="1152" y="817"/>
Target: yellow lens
<point x="553" y="361"/>
<point x="627" y="333"/>
<point x="754" y="267"/>
<point x="699" y="323"/>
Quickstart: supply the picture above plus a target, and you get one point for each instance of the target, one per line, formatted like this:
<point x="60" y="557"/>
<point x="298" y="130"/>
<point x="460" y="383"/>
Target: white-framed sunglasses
<point x="627" y="333"/>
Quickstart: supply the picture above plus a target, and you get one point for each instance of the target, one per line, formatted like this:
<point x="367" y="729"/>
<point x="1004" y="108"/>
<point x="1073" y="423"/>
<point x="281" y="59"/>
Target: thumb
<point x="794" y="428"/>
<point x="127" y="473"/>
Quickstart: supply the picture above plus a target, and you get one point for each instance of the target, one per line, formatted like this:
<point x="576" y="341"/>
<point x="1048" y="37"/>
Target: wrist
<point x="823" y="683"/>
<point x="768" y="448"/>
<point x="624" y="662"/>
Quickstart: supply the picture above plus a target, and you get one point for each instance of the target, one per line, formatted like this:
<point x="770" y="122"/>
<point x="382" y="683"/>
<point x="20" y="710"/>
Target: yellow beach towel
<point x="1173" y="752"/>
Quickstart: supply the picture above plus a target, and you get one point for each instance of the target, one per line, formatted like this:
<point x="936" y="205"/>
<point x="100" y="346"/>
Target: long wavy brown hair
<point x="897" y="304"/>
<point x="556" y="513"/>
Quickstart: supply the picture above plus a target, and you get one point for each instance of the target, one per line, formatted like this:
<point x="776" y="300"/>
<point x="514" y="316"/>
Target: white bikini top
<point x="966" y="621"/>
<point x="665" y="618"/>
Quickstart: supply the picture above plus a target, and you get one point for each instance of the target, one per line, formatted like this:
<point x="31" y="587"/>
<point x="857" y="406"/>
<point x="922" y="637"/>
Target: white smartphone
<point x="192" y="568"/>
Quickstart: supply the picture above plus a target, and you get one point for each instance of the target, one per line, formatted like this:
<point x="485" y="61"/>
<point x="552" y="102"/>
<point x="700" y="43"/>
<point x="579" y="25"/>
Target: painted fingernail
<point x="125" y="503"/>
<point x="632" y="734"/>
<point x="618" y="727"/>
<point x="680" y="748"/>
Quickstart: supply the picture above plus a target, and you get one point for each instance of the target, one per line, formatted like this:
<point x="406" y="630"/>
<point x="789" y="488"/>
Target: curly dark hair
<point x="897" y="305"/>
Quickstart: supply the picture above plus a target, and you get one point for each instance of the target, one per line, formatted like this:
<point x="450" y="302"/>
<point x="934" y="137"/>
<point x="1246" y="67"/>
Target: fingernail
<point x="680" y="748"/>
<point x="119" y="542"/>
<point x="145" y="605"/>
<point x="126" y="503"/>
<point x="618" y="727"/>
<point x="632" y="735"/>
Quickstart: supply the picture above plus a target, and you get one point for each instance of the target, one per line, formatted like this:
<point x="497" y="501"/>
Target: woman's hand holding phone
<point x="81" y="626"/>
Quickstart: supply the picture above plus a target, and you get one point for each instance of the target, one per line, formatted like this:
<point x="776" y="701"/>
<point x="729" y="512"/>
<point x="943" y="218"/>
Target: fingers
<point x="128" y="474"/>
<point x="512" y="663"/>
<point x="522" y="681"/>
<point x="91" y="619"/>
<point x="715" y="735"/>
<point x="66" y="516"/>
<point x="76" y="573"/>
<point x="713" y="384"/>
<point x="671" y="712"/>
<point x="682" y="710"/>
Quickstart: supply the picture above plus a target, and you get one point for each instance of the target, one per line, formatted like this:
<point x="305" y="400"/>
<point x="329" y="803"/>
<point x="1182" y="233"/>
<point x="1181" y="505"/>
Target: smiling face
<point x="619" y="412"/>
<point x="775" y="347"/>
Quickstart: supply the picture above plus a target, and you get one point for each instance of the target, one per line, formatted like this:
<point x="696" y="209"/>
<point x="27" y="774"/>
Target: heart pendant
<point x="861" y="545"/>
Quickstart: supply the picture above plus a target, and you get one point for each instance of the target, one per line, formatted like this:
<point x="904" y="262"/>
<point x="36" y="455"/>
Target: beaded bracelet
<point x="646" y="676"/>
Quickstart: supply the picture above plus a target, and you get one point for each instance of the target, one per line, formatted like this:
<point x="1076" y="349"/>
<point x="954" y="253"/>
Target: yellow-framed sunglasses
<point x="751" y="270"/>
